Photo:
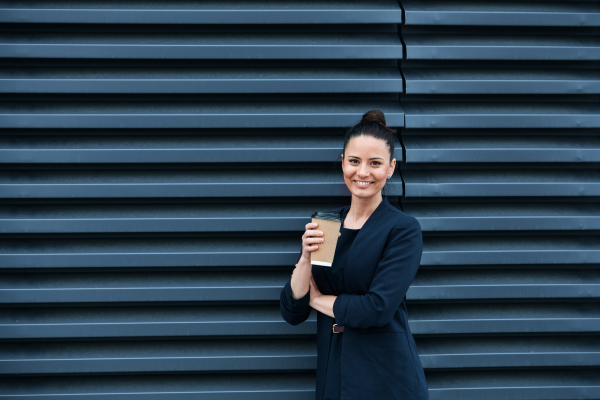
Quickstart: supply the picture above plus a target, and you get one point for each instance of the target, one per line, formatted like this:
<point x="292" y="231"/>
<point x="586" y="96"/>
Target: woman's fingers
<point x="311" y="237"/>
<point x="310" y="225"/>
<point x="313" y="233"/>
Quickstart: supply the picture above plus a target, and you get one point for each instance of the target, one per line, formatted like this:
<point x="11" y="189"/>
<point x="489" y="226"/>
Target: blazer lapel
<point x="364" y="234"/>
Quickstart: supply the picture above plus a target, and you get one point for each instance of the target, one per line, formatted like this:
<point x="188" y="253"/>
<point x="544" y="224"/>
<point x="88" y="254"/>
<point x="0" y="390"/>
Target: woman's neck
<point x="361" y="209"/>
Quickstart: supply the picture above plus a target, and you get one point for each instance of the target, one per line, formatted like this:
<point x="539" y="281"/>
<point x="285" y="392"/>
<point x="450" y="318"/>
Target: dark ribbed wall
<point x="160" y="160"/>
<point x="502" y="171"/>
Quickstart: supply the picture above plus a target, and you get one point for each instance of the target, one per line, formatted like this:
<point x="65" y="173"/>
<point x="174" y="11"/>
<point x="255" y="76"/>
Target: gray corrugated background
<point x="160" y="159"/>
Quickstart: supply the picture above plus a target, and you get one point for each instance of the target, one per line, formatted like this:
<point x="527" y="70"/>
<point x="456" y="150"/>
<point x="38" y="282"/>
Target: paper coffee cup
<point x="329" y="224"/>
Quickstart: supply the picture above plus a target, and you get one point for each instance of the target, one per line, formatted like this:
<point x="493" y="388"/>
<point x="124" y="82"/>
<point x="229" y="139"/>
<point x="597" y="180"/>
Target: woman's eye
<point x="356" y="162"/>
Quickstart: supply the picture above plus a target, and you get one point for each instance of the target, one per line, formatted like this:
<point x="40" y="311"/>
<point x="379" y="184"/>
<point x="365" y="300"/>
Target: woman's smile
<point x="363" y="184"/>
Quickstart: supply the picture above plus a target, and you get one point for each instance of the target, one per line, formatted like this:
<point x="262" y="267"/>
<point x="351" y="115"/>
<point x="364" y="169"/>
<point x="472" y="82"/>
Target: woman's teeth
<point x="359" y="183"/>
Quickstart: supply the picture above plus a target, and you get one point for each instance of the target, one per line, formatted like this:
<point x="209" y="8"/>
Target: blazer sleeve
<point x="393" y="275"/>
<point x="294" y="311"/>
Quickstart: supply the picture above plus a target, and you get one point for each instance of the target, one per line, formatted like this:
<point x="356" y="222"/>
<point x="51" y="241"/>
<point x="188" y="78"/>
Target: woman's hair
<point x="373" y="124"/>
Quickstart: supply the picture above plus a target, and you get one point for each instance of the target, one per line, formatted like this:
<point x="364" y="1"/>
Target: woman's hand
<point x="311" y="239"/>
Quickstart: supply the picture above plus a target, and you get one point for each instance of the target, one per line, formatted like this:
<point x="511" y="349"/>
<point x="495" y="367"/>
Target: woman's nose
<point x="363" y="171"/>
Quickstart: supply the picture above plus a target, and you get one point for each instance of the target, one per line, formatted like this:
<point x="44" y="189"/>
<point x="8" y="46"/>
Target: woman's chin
<point x="364" y="192"/>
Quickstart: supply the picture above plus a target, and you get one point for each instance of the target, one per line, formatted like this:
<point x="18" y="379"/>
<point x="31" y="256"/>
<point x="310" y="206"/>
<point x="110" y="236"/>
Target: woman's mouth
<point x="363" y="184"/>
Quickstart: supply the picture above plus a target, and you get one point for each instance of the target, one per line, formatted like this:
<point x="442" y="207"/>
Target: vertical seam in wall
<point x="400" y="166"/>
<point x="400" y="32"/>
<point x="400" y="100"/>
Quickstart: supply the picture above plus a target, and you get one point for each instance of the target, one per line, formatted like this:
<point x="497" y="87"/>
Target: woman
<point x="365" y="349"/>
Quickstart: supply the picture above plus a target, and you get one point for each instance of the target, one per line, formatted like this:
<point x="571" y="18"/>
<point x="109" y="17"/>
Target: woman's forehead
<point x="366" y="144"/>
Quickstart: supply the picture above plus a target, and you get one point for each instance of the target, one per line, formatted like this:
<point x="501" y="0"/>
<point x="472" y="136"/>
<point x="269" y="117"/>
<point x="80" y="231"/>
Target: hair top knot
<point x="373" y="116"/>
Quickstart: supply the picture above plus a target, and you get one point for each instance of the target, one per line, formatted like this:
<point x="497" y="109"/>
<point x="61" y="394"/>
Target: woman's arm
<point x="393" y="276"/>
<point x="295" y="295"/>
<point x="320" y="302"/>
<point x="301" y="278"/>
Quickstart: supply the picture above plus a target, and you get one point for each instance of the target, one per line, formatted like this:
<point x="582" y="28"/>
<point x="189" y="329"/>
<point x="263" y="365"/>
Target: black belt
<point x="337" y="329"/>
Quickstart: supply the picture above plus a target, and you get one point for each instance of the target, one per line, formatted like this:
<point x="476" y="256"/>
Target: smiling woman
<point x="364" y="345"/>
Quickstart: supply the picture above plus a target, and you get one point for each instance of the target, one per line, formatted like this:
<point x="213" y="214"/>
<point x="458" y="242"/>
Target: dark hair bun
<point x="374" y="115"/>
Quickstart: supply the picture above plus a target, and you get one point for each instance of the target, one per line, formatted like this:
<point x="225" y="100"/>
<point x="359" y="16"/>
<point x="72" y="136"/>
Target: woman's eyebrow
<point x="372" y="158"/>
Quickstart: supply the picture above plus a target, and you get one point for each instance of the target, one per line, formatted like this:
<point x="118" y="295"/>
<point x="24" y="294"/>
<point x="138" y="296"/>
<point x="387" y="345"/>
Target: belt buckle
<point x="333" y="328"/>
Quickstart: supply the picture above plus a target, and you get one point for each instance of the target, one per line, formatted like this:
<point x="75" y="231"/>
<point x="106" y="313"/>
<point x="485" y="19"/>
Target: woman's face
<point x="366" y="165"/>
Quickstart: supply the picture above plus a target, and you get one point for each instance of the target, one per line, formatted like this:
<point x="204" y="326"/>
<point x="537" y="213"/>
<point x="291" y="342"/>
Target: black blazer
<point x="379" y="356"/>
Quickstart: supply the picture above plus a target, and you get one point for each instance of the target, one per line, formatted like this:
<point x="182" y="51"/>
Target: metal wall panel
<point x="501" y="169"/>
<point x="160" y="159"/>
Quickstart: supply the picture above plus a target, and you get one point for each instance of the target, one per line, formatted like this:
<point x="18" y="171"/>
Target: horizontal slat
<point x="229" y="292"/>
<point x="484" y="216"/>
<point x="271" y="251"/>
<point x="169" y="364"/>
<point x="277" y="354"/>
<point x="480" y="284"/>
<point x="250" y="217"/>
<point x="505" y="81"/>
<point x="172" y="149"/>
<point x="508" y="352"/>
<point x="494" y="182"/>
<point x="521" y="359"/>
<point x="429" y="285"/>
<point x="542" y="384"/>
<point x="163" y="356"/>
<point x="271" y="217"/>
<point x="150" y="252"/>
<point x="266" y="386"/>
<point x="501" y="115"/>
<point x="150" y="287"/>
<point x="186" y="321"/>
<point x="193" y="114"/>
<point x="490" y="13"/>
<point x="205" y="12"/>
<point x="510" y="250"/>
<point x="534" y="385"/>
<point x="200" y="80"/>
<point x="177" y="321"/>
<point x="232" y="292"/>
<point x="507" y="318"/>
<point x="248" y="45"/>
<point x="482" y="47"/>
<point x="501" y="148"/>
<point x="177" y="183"/>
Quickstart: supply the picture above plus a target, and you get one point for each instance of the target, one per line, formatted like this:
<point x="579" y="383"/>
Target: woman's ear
<point x="392" y="167"/>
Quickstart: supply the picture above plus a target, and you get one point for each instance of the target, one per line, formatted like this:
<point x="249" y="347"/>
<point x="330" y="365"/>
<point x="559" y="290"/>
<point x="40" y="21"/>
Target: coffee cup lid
<point x="328" y="216"/>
